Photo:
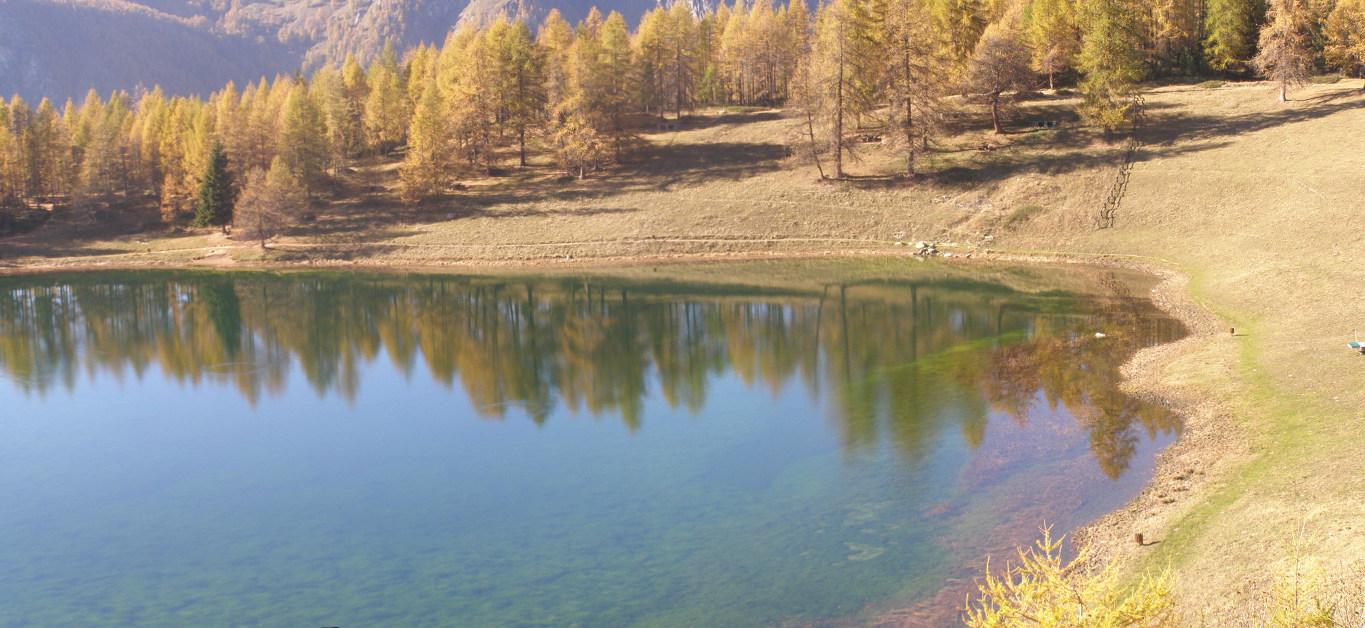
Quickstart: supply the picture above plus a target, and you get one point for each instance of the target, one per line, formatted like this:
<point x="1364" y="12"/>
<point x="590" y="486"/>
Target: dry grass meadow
<point x="1257" y="203"/>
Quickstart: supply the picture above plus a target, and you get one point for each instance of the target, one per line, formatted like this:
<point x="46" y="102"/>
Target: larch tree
<point x="733" y="59"/>
<point x="470" y="73"/>
<point x="914" y="74"/>
<point x="555" y="37"/>
<point x="170" y="165"/>
<point x="104" y="167"/>
<point x="197" y="145"/>
<point x="152" y="108"/>
<point x="422" y="66"/>
<point x="262" y="126"/>
<point x="520" y="66"/>
<point x="303" y="138"/>
<point x="601" y="72"/>
<point x="270" y="201"/>
<point x="578" y="146"/>
<point x="1346" y="36"/>
<point x="578" y="133"/>
<point x="1286" y="52"/>
<point x="356" y="82"/>
<point x="80" y="124"/>
<point x="214" y="201"/>
<point x="651" y="48"/>
<point x="343" y="136"/>
<point x="20" y="116"/>
<point x="766" y="32"/>
<point x="962" y="22"/>
<point x="10" y="178"/>
<point x="842" y="59"/>
<point x="798" y="33"/>
<point x="807" y="100"/>
<point x="230" y="120"/>
<point x="1230" y="27"/>
<point x="357" y="87"/>
<point x="680" y="65"/>
<point x="1053" y="36"/>
<point x="1112" y="62"/>
<point x="709" y="85"/>
<point x="617" y="76"/>
<point x="86" y="168"/>
<point x="999" y="64"/>
<point x="429" y="163"/>
<point x="386" y="109"/>
<point x="1177" y="28"/>
<point x="43" y="143"/>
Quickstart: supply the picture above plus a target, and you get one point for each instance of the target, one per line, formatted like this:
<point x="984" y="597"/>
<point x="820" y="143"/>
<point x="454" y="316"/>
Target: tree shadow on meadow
<point x="53" y="250"/>
<point x="1164" y="129"/>
<point x="652" y="168"/>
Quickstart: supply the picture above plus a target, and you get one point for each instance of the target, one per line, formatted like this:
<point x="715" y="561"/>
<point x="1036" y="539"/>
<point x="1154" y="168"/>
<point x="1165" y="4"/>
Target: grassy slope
<point x="1260" y="203"/>
<point x="1256" y="201"/>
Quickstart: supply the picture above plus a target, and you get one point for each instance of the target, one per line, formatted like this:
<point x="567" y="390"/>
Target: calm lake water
<point x="262" y="449"/>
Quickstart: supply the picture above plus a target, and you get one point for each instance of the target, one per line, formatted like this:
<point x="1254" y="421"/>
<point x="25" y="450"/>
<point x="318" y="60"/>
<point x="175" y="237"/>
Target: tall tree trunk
<point x="815" y="154"/>
<point x="995" y="113"/>
<point x="839" y="117"/>
<point x="521" y="143"/>
<point x="909" y="115"/>
<point x="909" y="141"/>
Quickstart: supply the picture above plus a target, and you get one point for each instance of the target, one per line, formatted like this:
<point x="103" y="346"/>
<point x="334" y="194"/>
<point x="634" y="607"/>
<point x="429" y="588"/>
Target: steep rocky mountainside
<point x="62" y="48"/>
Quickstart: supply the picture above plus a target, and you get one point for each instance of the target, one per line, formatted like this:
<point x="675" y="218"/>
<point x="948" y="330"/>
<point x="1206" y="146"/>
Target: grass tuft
<point x="1021" y="215"/>
<point x="1214" y="84"/>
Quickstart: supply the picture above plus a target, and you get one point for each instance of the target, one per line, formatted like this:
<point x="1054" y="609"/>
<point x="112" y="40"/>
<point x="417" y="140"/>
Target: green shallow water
<point x="326" y="449"/>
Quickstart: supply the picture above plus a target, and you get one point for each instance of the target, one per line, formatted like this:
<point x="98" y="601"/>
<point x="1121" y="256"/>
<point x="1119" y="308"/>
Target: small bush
<point x="1022" y="215"/>
<point x="1302" y="595"/>
<point x="1062" y="91"/>
<point x="1326" y="79"/>
<point x="1043" y="590"/>
<point x="739" y="109"/>
<point x="1214" y="84"/>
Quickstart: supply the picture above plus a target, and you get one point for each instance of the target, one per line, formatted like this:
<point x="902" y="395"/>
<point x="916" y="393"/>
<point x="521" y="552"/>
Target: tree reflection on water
<point x="899" y="361"/>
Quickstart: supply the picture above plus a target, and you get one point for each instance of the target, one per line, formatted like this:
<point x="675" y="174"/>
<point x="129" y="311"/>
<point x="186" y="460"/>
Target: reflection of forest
<point x="902" y="360"/>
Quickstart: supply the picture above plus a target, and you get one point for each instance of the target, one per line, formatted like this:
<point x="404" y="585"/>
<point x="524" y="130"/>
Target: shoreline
<point x="1184" y="475"/>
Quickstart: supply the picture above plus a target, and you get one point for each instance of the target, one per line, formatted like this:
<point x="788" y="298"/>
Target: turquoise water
<point x="315" y="449"/>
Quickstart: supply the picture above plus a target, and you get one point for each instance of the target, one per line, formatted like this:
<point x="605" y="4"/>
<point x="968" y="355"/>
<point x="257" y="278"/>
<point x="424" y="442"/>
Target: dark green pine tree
<point x="216" y="194"/>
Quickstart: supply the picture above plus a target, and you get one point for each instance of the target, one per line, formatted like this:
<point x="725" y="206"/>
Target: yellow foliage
<point x="1295" y="599"/>
<point x="1045" y="590"/>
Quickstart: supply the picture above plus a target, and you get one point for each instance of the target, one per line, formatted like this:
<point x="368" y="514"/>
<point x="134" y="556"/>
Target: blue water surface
<point x="193" y="449"/>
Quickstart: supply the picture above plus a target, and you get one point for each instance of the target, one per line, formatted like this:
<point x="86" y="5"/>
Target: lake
<point x="751" y="444"/>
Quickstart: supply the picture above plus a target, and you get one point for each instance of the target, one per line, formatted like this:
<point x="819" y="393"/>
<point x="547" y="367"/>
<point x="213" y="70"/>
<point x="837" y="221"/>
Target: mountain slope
<point x="62" y="48"/>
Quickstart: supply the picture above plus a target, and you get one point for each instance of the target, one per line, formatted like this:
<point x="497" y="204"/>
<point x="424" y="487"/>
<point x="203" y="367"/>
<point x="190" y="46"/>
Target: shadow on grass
<point x="652" y="168"/>
<point x="1164" y="129"/>
<point x="50" y="250"/>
